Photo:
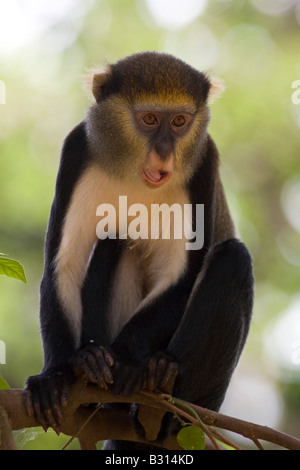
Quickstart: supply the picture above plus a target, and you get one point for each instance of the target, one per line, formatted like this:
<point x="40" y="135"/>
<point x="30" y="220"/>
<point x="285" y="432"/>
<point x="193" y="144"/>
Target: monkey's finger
<point x="168" y="379"/>
<point x="155" y="370"/>
<point x="107" y="375"/>
<point x="87" y="364"/>
<point x="28" y="402"/>
<point x="104" y="368"/>
<point x="55" y="398"/>
<point x="92" y="363"/>
<point x="52" y="420"/>
<point x="161" y="371"/>
<point x="107" y="356"/>
<point x="50" y="408"/>
<point x="55" y="417"/>
<point x="80" y="365"/>
<point x="38" y="413"/>
<point x="102" y="374"/>
<point x="94" y="366"/>
<point x="151" y="374"/>
<point x="64" y="394"/>
<point x="87" y="375"/>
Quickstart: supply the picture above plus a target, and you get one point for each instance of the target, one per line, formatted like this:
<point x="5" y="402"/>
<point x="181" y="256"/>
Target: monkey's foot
<point x="161" y="373"/>
<point x="94" y="364"/>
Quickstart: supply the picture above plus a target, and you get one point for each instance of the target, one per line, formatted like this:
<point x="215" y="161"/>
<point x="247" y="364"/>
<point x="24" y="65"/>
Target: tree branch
<point x="111" y="423"/>
<point x="6" y="437"/>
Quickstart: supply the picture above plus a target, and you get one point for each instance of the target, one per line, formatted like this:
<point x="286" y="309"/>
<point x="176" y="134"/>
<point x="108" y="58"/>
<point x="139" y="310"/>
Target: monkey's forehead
<point x="163" y="97"/>
<point x="157" y="74"/>
<point x="165" y="103"/>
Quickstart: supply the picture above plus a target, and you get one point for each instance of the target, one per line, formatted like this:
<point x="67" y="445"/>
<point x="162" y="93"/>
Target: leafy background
<point x="45" y="47"/>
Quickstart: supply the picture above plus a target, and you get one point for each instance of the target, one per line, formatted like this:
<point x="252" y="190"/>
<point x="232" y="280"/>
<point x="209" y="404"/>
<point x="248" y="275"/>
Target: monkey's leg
<point x="211" y="335"/>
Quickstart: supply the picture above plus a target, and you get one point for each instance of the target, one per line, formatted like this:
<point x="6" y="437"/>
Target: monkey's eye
<point x="178" y="121"/>
<point x="150" y="119"/>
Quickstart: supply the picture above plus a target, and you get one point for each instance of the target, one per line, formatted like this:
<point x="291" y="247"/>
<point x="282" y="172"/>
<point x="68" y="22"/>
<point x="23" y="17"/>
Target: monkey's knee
<point x="232" y="254"/>
<point x="228" y="270"/>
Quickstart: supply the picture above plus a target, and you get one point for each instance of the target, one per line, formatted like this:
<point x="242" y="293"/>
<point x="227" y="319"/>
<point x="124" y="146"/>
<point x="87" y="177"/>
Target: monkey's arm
<point x="46" y="392"/>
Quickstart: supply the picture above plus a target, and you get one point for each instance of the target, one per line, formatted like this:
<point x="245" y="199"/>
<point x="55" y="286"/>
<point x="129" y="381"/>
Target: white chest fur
<point x="147" y="267"/>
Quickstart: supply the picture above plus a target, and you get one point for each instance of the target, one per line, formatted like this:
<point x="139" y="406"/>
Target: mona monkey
<point x="144" y="313"/>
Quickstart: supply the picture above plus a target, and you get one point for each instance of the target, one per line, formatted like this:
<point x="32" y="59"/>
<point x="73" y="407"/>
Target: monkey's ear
<point x="217" y="86"/>
<point x="99" y="81"/>
<point x="94" y="82"/>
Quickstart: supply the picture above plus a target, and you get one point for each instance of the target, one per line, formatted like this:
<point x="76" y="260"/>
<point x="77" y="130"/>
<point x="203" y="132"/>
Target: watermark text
<point x="296" y="94"/>
<point x="2" y="352"/>
<point x="163" y="222"/>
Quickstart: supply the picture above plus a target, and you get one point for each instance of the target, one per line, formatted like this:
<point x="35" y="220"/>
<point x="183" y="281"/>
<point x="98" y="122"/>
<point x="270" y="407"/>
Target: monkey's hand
<point x="129" y="371"/>
<point x="45" y="395"/>
<point x="161" y="373"/>
<point x="135" y="374"/>
<point x="94" y="363"/>
<point x="128" y="376"/>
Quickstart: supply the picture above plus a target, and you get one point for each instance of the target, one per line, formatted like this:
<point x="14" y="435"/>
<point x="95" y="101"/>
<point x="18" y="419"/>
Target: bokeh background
<point x="46" y="46"/>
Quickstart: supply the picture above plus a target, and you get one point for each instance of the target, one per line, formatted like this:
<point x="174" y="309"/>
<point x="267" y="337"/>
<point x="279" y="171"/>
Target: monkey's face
<point x="150" y="119"/>
<point x="149" y="142"/>
<point x="166" y="132"/>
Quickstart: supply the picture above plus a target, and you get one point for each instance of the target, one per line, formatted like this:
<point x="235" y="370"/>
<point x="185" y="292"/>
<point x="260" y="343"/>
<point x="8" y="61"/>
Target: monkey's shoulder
<point x="76" y="142"/>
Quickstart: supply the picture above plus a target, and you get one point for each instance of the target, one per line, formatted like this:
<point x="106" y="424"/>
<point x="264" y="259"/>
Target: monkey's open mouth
<point x="155" y="177"/>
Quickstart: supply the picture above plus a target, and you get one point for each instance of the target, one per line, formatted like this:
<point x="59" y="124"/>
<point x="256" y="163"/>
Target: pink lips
<point x="155" y="177"/>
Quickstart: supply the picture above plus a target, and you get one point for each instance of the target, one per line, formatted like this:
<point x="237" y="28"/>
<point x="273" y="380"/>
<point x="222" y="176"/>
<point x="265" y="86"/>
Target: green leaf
<point x="191" y="438"/>
<point x="12" y="268"/>
<point x="3" y="384"/>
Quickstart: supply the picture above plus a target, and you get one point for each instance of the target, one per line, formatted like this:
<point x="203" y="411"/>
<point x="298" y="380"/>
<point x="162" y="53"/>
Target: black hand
<point x="95" y="363"/>
<point x="46" y="394"/>
<point x="161" y="373"/>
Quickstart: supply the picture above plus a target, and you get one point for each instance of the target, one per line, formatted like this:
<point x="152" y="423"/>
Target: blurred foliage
<point x="254" y="46"/>
<point x="11" y="268"/>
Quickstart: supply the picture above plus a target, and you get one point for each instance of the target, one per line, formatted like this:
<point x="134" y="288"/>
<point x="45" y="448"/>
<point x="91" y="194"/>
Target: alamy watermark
<point x="2" y="92"/>
<point x="2" y="352"/>
<point x="296" y="94"/>
<point x="163" y="222"/>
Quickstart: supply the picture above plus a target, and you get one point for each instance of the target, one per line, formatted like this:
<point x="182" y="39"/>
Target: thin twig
<point x="205" y="429"/>
<point x="76" y="435"/>
<point x="258" y="444"/>
<point x="211" y="432"/>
